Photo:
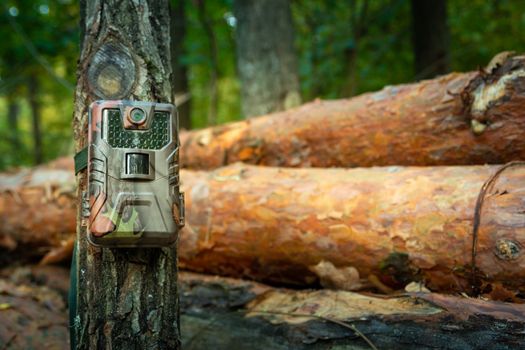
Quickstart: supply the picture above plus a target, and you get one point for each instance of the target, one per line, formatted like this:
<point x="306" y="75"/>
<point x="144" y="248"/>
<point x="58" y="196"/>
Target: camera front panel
<point x="133" y="174"/>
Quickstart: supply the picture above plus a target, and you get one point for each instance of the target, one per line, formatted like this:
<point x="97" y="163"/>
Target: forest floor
<point x="225" y="313"/>
<point x="33" y="307"/>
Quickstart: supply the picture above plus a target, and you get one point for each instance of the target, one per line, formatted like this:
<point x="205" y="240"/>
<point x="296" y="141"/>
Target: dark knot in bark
<point x="112" y="72"/>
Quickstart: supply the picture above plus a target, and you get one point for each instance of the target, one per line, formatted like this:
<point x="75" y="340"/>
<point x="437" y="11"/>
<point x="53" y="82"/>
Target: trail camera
<point x="133" y="174"/>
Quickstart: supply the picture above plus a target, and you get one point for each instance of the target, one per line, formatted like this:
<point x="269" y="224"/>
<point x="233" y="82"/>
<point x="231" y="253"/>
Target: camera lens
<point x="137" y="116"/>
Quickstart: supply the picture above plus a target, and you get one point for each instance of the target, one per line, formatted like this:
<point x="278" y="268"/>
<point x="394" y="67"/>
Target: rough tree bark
<point x="397" y="224"/>
<point x="266" y="59"/>
<point x="471" y="118"/>
<point x="180" y="84"/>
<point x="430" y="37"/>
<point x="127" y="298"/>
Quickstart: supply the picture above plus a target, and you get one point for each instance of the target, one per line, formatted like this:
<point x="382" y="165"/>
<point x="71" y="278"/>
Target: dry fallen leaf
<point x="331" y="277"/>
<point x="416" y="287"/>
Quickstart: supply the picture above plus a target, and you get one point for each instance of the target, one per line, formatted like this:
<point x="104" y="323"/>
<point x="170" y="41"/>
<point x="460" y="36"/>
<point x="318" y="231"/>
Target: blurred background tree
<point x="266" y="56"/>
<point x="342" y="48"/>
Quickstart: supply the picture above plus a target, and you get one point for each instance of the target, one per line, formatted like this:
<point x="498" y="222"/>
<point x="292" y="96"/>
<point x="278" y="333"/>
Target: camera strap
<point x="81" y="160"/>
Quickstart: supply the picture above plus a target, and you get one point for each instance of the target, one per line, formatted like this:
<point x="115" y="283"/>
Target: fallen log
<point x="37" y="209"/>
<point x="223" y="313"/>
<point x="457" y="119"/>
<point x="226" y="313"/>
<point x="351" y="229"/>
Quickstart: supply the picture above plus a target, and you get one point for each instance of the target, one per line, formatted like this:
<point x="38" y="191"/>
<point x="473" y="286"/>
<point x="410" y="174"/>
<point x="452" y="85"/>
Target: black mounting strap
<point x="81" y="160"/>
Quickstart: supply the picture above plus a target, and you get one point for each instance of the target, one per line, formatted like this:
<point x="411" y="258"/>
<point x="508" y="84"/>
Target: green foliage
<point x="41" y="37"/>
<point x="325" y="32"/>
<point x="480" y="29"/>
<point x="198" y="58"/>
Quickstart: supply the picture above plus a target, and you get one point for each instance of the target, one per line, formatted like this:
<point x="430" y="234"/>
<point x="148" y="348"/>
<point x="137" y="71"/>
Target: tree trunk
<point x="430" y="37"/>
<point x="300" y="226"/>
<point x="358" y="21"/>
<point x="127" y="298"/>
<point x="472" y="118"/>
<point x="13" y="110"/>
<point x="266" y="59"/>
<point x="180" y="85"/>
<point x="34" y="104"/>
<point x="213" y="63"/>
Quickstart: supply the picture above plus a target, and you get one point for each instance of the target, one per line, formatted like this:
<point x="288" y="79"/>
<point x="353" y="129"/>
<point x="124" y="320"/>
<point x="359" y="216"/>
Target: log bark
<point x="391" y="225"/>
<point x="127" y="298"/>
<point x="457" y="119"/>
<point x="37" y="210"/>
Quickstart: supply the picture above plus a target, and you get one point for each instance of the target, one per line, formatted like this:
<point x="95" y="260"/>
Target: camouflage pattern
<point x="133" y="175"/>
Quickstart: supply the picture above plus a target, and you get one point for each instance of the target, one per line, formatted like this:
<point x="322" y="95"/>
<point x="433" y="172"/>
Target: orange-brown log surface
<point x="37" y="207"/>
<point x="457" y="119"/>
<point x="349" y="228"/>
<point x="352" y="227"/>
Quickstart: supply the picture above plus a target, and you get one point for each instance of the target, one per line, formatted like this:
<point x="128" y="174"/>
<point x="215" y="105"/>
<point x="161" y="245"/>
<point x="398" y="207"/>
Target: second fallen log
<point x="392" y="224"/>
<point x="345" y="226"/>
<point x="457" y="119"/>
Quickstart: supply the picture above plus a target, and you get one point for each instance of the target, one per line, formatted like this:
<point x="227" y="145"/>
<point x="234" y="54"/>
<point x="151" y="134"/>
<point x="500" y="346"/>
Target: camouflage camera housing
<point x="133" y="174"/>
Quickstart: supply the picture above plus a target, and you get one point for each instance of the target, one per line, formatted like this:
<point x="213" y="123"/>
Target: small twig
<point x="6" y="345"/>
<point x="477" y="218"/>
<point x="333" y="320"/>
<point x="360" y="334"/>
